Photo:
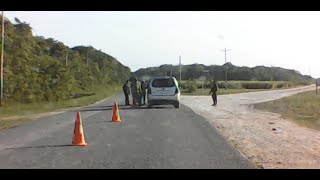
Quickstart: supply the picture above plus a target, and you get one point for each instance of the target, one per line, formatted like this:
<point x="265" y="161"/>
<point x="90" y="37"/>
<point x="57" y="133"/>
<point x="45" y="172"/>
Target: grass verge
<point x="199" y="92"/>
<point x="303" y="108"/>
<point x="18" y="111"/>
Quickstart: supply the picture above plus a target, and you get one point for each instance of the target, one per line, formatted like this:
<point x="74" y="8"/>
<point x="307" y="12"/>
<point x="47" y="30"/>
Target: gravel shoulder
<point x="265" y="138"/>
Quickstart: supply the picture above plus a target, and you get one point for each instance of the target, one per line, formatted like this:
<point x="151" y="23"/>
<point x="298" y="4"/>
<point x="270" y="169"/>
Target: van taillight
<point x="177" y="91"/>
<point x="149" y="91"/>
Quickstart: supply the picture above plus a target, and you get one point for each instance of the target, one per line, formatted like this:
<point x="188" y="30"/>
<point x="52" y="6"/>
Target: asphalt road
<point x="162" y="137"/>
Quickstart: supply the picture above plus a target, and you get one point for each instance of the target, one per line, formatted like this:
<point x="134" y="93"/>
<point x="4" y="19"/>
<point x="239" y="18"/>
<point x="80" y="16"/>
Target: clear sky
<point x="141" y="39"/>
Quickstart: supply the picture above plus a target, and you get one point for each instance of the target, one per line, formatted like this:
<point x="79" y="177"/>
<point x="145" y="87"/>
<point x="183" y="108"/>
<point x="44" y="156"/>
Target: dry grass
<point x="303" y="108"/>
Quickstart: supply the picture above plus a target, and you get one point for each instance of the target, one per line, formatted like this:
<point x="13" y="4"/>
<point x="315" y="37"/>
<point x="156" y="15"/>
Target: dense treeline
<point x="200" y="71"/>
<point x="39" y="69"/>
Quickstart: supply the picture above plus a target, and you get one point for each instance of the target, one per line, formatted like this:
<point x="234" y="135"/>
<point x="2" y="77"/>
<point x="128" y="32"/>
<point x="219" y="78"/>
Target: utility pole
<point x="226" y="76"/>
<point x="67" y="59"/>
<point x="2" y="53"/>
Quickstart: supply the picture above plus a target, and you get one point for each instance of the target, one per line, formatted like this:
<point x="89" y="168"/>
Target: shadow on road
<point x="110" y="108"/>
<point x="30" y="147"/>
<point x="104" y="122"/>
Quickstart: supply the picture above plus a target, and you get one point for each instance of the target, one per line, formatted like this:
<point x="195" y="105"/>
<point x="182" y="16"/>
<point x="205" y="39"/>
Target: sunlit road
<point x="146" y="138"/>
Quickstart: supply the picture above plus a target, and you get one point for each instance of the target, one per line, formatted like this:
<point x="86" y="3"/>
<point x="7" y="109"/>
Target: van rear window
<point x="163" y="83"/>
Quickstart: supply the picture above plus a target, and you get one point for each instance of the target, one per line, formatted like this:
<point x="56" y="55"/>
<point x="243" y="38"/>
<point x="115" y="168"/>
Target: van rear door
<point x="163" y="87"/>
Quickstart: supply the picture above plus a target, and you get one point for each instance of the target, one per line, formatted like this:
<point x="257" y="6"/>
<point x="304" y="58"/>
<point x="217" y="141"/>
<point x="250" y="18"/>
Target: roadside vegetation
<point x="42" y="74"/>
<point x="240" y="79"/>
<point x="233" y="87"/>
<point x="39" y="70"/>
<point x="15" y="114"/>
<point x="302" y="108"/>
<point x="197" y="72"/>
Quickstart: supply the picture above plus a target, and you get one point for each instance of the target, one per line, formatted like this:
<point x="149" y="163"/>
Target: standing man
<point x="143" y="92"/>
<point x="213" y="90"/>
<point x="135" y="92"/>
<point x="139" y="93"/>
<point x="126" y="91"/>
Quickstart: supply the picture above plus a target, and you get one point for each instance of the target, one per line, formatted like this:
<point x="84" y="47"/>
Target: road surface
<point x="146" y="138"/>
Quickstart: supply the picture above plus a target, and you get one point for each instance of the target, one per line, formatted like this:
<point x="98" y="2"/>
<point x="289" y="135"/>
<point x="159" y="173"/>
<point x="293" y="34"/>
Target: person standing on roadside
<point x="135" y="93"/>
<point x="126" y="91"/>
<point x="139" y="93"/>
<point x="143" y="92"/>
<point x="214" y="90"/>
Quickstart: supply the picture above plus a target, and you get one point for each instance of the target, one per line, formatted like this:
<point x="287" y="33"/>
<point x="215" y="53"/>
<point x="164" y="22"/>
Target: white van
<point x="163" y="91"/>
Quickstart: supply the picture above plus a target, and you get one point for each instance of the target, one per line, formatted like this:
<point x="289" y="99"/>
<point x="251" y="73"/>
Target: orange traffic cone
<point x="78" y="135"/>
<point x="115" y="113"/>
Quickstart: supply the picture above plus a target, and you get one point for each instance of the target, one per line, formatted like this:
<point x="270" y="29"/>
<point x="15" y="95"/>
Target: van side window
<point x="171" y="82"/>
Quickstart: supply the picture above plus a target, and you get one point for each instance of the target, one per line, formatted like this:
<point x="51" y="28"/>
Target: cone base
<point x="116" y="120"/>
<point x="83" y="144"/>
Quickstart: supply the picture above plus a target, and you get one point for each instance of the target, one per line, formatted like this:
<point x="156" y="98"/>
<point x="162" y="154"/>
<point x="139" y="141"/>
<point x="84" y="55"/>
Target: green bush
<point x="192" y="87"/>
<point x="234" y="84"/>
<point x="257" y="85"/>
<point x="207" y="84"/>
<point x="242" y="84"/>
<point x="304" y="83"/>
<point x="221" y="84"/>
<point x="183" y="85"/>
<point x="199" y="85"/>
<point x="289" y="84"/>
<point x="280" y="85"/>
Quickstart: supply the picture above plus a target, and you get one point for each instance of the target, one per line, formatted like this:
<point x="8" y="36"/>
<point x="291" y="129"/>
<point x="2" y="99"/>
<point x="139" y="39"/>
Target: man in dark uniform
<point x="126" y="91"/>
<point x="143" y="93"/>
<point x="135" y="90"/>
<point x="213" y="90"/>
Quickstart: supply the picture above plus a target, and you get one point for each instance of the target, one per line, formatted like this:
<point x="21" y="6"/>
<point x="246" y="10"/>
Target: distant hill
<point x="200" y="71"/>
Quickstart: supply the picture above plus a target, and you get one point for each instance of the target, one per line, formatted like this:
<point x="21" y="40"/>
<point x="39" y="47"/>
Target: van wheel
<point x="149" y="106"/>
<point x="177" y="105"/>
